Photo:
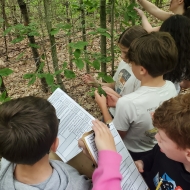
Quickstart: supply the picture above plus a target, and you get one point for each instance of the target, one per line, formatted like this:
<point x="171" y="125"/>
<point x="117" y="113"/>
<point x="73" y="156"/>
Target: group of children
<point x="143" y="103"/>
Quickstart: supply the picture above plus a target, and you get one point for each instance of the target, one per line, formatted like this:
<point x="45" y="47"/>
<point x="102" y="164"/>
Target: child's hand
<point x="112" y="100"/>
<point x="140" y="165"/>
<point x="101" y="100"/>
<point x="139" y="11"/>
<point x="88" y="79"/>
<point x="103" y="137"/>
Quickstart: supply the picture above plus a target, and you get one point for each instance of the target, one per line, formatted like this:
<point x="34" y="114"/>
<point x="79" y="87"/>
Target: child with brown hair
<point x="28" y="131"/>
<point x="169" y="161"/>
<point x="151" y="56"/>
<point x="125" y="81"/>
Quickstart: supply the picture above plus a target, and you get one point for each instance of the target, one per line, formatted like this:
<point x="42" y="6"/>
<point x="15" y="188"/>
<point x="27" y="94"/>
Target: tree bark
<point x="103" y="38"/>
<point x="52" y="42"/>
<point x="112" y="34"/>
<point x="35" y="53"/>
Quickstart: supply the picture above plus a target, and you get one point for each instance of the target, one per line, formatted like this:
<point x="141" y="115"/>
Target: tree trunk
<point x="84" y="31"/>
<point x="4" y="18"/>
<point x="103" y="38"/>
<point x="35" y="53"/>
<point x="112" y="34"/>
<point x="52" y="42"/>
<point x="69" y="36"/>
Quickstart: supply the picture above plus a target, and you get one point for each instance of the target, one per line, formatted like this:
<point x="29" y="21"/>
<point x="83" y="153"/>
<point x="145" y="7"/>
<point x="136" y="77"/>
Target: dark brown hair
<point x="156" y="52"/>
<point x="173" y="117"/>
<point x="28" y="128"/>
<point x="130" y="34"/>
<point x="179" y="28"/>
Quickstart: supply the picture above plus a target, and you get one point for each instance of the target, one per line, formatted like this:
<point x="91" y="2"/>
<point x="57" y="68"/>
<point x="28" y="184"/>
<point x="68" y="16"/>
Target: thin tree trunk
<point x="35" y="53"/>
<point x="112" y="34"/>
<point x="52" y="42"/>
<point x="103" y="38"/>
<point x="84" y="31"/>
<point x="69" y="36"/>
<point x="4" y="18"/>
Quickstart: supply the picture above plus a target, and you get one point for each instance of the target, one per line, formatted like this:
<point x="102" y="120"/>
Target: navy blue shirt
<point x="157" y="165"/>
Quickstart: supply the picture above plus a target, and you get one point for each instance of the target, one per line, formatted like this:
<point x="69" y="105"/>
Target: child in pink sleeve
<point x="107" y="175"/>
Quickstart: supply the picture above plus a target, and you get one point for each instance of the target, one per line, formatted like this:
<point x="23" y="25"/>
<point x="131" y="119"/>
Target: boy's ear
<point x="180" y="1"/>
<point x="188" y="154"/>
<point x="143" y="71"/>
<point x="55" y="145"/>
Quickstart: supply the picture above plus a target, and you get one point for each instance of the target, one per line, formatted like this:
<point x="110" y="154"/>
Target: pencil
<point x="159" y="184"/>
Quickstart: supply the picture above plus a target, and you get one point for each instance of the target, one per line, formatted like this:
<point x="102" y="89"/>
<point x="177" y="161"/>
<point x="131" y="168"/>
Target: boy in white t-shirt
<point x="124" y="74"/>
<point x="151" y="56"/>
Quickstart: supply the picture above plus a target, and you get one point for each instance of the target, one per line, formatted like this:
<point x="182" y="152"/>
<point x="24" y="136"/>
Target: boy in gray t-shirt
<point x="28" y="131"/>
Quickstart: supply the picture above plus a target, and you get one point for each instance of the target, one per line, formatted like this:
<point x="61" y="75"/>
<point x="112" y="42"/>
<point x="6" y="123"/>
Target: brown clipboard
<point x="84" y="141"/>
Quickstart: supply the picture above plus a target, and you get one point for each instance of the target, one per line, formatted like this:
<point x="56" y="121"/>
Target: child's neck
<point x="152" y="82"/>
<point x="179" y="10"/>
<point x="187" y="167"/>
<point x="34" y="174"/>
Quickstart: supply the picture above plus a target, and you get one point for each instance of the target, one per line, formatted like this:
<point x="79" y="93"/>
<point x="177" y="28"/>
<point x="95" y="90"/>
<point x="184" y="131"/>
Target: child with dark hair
<point x="181" y="7"/>
<point x="169" y="161"/>
<point x="151" y="56"/>
<point x="125" y="81"/>
<point x="179" y="28"/>
<point x="28" y="131"/>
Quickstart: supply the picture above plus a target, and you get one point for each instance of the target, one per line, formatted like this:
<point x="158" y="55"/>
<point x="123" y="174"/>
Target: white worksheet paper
<point x="132" y="179"/>
<point x="74" y="122"/>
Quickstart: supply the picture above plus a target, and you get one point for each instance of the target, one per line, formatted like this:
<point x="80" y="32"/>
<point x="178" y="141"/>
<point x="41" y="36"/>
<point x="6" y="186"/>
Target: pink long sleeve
<point x="107" y="175"/>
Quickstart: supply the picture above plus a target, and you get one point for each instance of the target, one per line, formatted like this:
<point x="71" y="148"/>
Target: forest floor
<point x="18" y="87"/>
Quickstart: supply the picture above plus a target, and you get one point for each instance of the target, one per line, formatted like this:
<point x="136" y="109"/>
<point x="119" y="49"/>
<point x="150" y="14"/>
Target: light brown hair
<point x="173" y="117"/>
<point x="156" y="52"/>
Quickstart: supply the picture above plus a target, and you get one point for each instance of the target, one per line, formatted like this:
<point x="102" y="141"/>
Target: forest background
<point x="45" y="44"/>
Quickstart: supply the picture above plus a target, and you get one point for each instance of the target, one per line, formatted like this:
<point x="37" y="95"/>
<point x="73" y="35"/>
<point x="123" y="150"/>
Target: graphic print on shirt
<point x="167" y="183"/>
<point x="123" y="76"/>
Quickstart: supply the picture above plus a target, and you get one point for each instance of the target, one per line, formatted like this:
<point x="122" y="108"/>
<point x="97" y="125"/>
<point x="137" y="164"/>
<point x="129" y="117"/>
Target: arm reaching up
<point x="154" y="10"/>
<point x="145" y="23"/>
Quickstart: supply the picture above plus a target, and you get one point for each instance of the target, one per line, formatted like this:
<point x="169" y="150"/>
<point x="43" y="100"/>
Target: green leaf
<point x="43" y="56"/>
<point x="3" y="96"/>
<point x="32" y="80"/>
<point x="1" y="20"/>
<point x="49" y="79"/>
<point x="77" y="53"/>
<point x="64" y="65"/>
<point x="41" y="67"/>
<point x="79" y="63"/>
<point x="69" y="74"/>
<point x="54" y="87"/>
<point x="101" y="91"/>
<point x="17" y="40"/>
<point x="7" y="31"/>
<point x="41" y="75"/>
<point x="58" y="72"/>
<point x="78" y="45"/>
<point x="96" y="64"/>
<point x="54" y="31"/>
<point x="1" y="81"/>
<point x="106" y="34"/>
<point x="5" y="72"/>
<point x="28" y="75"/>
<point x="108" y="79"/>
<point x="20" y="55"/>
<point x="101" y="74"/>
<point x="34" y="45"/>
